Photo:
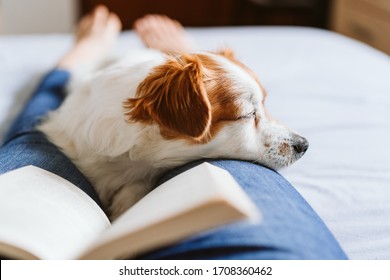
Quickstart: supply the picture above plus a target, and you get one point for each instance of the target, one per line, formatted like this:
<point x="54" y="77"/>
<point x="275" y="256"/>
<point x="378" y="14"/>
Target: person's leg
<point x="290" y="228"/>
<point x="24" y="145"/>
<point x="95" y="36"/>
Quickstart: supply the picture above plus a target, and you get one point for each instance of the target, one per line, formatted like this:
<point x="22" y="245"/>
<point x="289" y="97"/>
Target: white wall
<point x="37" y="16"/>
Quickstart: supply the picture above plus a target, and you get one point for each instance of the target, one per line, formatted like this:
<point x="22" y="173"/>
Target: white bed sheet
<point x="333" y="90"/>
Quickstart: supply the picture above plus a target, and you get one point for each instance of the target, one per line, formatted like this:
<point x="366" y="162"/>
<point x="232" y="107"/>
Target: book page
<point x="44" y="216"/>
<point x="198" y="199"/>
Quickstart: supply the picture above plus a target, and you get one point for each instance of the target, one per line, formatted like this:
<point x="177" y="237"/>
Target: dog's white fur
<point x="122" y="158"/>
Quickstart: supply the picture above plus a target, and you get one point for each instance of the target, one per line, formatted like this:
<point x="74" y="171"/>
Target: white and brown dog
<point x="127" y="123"/>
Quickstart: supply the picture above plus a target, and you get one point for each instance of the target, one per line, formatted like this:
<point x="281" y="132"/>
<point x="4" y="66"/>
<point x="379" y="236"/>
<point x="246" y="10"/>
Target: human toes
<point x="114" y="22"/>
<point x="100" y="15"/>
<point x="92" y="21"/>
<point x="153" y="23"/>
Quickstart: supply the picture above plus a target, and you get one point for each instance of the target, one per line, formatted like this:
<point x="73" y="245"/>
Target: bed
<point x="333" y="90"/>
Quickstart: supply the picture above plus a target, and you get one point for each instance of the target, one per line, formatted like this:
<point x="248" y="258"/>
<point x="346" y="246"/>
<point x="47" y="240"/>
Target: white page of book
<point x="46" y="215"/>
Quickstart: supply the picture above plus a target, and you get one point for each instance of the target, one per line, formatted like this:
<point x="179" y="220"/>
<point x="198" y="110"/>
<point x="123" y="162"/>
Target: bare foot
<point x="163" y="33"/>
<point x="95" y="36"/>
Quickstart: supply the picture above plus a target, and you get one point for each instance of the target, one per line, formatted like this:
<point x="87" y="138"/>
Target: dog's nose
<point x="300" y="145"/>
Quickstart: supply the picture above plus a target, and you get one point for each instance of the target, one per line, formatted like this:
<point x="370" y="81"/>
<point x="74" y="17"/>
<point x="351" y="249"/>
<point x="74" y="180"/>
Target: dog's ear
<point x="174" y="97"/>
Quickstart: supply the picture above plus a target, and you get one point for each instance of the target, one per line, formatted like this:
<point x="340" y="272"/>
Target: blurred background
<point x="365" y="20"/>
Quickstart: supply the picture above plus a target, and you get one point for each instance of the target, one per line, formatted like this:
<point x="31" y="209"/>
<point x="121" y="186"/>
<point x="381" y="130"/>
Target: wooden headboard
<point x="220" y="12"/>
<point x="189" y="13"/>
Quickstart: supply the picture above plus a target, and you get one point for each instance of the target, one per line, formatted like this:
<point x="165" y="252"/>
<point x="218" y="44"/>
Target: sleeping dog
<point x="127" y="123"/>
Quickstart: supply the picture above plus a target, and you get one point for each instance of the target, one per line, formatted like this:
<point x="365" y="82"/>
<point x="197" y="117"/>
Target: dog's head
<point x="215" y="105"/>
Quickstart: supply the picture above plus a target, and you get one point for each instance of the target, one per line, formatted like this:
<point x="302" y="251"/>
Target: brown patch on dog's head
<point x="229" y="54"/>
<point x="189" y="97"/>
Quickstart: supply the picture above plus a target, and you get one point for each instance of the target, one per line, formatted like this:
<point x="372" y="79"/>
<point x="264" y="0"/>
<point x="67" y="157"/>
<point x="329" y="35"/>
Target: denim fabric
<point x="290" y="228"/>
<point x="47" y="97"/>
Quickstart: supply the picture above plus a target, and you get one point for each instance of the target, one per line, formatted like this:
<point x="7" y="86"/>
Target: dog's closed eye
<point x="251" y="115"/>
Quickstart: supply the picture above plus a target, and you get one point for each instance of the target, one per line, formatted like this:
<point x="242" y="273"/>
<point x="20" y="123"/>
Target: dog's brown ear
<point x="174" y="97"/>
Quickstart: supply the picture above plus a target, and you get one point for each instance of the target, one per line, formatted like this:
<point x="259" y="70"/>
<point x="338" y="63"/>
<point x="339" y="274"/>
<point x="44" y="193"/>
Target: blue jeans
<point x="290" y="228"/>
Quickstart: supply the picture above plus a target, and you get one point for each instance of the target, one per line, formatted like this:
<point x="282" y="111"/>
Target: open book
<point x="43" y="216"/>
